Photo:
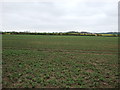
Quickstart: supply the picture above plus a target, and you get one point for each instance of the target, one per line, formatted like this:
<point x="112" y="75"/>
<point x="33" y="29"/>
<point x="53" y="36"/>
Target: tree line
<point x="59" y="33"/>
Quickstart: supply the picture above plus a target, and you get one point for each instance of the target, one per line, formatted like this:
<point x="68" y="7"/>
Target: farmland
<point x="39" y="61"/>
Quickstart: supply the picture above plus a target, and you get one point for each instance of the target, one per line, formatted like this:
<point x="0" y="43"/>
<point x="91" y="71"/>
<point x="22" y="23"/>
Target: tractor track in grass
<point x="81" y="52"/>
<point x="96" y="52"/>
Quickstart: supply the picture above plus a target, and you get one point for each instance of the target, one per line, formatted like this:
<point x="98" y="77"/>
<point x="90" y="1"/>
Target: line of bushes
<point x="73" y="34"/>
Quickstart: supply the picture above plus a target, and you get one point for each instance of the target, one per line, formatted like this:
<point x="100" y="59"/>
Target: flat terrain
<point x="38" y="61"/>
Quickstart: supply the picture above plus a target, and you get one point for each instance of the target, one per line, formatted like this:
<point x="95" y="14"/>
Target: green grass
<point x="38" y="61"/>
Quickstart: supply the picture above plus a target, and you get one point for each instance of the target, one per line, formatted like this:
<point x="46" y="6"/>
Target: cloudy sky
<point x="60" y="16"/>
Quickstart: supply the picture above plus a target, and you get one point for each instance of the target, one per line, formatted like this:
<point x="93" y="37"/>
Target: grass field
<point x="38" y="61"/>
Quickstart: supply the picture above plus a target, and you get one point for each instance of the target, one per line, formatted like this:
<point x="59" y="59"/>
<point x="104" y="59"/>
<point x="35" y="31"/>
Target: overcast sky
<point x="72" y="15"/>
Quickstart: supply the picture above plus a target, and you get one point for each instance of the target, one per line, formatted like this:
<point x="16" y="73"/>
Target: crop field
<point x="39" y="61"/>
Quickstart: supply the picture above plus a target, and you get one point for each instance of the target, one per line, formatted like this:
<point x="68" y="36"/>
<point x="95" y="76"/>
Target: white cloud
<point x="94" y="16"/>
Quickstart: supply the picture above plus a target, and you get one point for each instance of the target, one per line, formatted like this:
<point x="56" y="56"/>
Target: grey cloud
<point x="52" y="16"/>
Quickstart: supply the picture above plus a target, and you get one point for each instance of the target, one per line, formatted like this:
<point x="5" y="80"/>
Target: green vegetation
<point x="39" y="61"/>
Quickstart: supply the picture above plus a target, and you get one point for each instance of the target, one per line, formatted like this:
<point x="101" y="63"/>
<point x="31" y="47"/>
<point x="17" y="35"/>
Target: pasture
<point x="39" y="61"/>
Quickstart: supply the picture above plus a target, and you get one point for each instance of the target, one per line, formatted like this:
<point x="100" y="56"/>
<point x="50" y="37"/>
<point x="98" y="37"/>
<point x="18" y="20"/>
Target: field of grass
<point x="38" y="61"/>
